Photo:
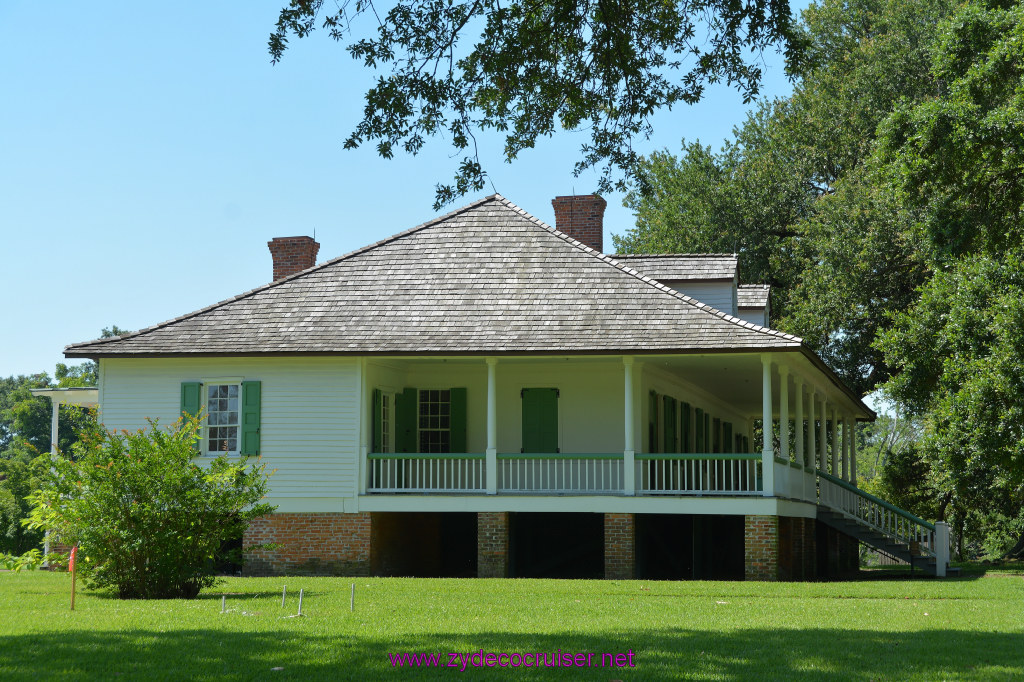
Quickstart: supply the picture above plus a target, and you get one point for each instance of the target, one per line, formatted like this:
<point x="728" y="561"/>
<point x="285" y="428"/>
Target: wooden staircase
<point x="881" y="542"/>
<point x="889" y="529"/>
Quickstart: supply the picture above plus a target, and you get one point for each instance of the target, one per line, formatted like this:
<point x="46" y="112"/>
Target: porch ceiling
<point x="733" y="378"/>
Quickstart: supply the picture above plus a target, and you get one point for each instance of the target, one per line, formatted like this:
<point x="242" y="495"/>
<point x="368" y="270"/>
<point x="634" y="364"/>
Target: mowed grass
<point x="969" y="628"/>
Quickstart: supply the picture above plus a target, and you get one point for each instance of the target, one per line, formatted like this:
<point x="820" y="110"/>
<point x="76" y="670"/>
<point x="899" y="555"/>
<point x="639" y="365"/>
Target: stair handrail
<point x="891" y="507"/>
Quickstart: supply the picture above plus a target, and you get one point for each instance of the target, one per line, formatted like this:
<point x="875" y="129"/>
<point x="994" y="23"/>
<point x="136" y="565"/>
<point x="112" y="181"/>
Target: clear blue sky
<point x="148" y="152"/>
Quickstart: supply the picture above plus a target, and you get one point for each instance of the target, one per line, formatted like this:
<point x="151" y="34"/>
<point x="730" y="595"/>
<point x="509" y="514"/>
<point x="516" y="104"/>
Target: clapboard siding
<point x="755" y="315"/>
<point x="720" y="295"/>
<point x="309" y="431"/>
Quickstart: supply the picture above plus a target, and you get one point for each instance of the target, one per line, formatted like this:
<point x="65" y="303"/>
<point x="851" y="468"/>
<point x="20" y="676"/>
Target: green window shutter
<point x="684" y="435"/>
<point x="252" y="392"/>
<point x="652" y="422"/>
<point x="699" y="441"/>
<point x="669" y="411"/>
<point x="378" y="420"/>
<point x="540" y="420"/>
<point x="406" y="415"/>
<point x="191" y="398"/>
<point x="191" y="403"/>
<point x="716" y="435"/>
<point x="458" y="420"/>
<point x="727" y="436"/>
<point x="707" y="432"/>
<point x="746" y="444"/>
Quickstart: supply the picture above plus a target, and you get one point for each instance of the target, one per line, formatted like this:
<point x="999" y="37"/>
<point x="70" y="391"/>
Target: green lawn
<point x="970" y="628"/>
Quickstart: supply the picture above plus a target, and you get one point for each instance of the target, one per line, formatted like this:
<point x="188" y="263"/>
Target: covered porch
<point x="627" y="425"/>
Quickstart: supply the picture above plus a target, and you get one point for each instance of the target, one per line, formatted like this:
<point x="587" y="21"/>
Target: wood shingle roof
<point x="677" y="267"/>
<point x="487" y="278"/>
<point x="752" y="295"/>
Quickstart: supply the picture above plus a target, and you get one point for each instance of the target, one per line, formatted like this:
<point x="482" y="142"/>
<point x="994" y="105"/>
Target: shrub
<point x="148" y="517"/>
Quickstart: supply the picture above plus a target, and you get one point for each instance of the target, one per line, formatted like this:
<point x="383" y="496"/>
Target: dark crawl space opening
<point x="689" y="547"/>
<point x="423" y="544"/>
<point x="556" y="545"/>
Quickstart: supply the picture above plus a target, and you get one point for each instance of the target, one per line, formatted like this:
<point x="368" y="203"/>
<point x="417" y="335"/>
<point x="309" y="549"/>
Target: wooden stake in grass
<point x="284" y="593"/>
<point x="74" y="575"/>
<point x="223" y="603"/>
<point x="300" y="601"/>
<point x="352" y="601"/>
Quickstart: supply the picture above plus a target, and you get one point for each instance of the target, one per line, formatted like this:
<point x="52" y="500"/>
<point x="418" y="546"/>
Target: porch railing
<point x="698" y="474"/>
<point x="894" y="522"/>
<point x="561" y="473"/>
<point x="425" y="473"/>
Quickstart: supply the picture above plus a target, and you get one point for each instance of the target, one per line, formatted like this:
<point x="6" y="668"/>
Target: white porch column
<point x="491" y="455"/>
<point x="767" y="454"/>
<point x="835" y="442"/>
<point x="846" y="447"/>
<point x="801" y="454"/>
<point x="811" y="452"/>
<point x="54" y="433"/>
<point x="54" y="425"/>
<point x="629" y="450"/>
<point x="365" y="426"/>
<point x="853" y="453"/>
<point x="784" y="412"/>
<point x="823" y="436"/>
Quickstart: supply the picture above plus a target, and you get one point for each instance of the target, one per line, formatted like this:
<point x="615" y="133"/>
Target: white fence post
<point x="941" y="548"/>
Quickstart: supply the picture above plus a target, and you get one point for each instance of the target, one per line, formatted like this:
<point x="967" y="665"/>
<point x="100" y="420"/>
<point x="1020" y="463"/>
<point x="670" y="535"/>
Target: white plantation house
<point x="486" y="395"/>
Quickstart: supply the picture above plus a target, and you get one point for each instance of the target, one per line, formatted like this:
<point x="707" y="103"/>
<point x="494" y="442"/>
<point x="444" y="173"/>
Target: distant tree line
<point x="25" y="422"/>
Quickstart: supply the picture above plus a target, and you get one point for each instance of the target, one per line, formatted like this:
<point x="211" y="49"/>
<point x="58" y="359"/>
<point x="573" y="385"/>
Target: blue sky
<point x="148" y="152"/>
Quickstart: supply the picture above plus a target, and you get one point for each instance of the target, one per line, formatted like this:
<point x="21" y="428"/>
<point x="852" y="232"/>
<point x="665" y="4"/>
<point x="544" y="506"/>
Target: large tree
<point x="795" y="192"/>
<point x="528" y="68"/>
<point x="958" y="352"/>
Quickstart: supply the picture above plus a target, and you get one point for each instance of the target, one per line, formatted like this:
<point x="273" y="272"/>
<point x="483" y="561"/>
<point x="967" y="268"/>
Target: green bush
<point x="148" y="517"/>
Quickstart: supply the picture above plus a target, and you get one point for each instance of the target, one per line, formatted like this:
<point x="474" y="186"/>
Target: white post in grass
<point x="491" y="463"/>
<point x="767" y="454"/>
<point x="629" y="449"/>
<point x="941" y="548"/>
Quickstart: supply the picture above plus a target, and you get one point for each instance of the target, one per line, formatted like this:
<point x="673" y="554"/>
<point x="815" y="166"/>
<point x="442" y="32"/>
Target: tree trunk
<point x="1017" y="551"/>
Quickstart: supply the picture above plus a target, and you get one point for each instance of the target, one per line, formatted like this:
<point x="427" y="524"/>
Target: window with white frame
<point x="222" y="418"/>
<point x="434" y="412"/>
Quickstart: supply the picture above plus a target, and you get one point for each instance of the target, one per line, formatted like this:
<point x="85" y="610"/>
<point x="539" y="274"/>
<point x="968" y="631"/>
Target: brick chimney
<point x="582" y="218"/>
<point x="292" y="254"/>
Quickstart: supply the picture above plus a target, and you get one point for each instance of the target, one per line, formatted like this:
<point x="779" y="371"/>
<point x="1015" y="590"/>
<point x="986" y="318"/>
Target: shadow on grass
<point x="210" y="594"/>
<point x="660" y="654"/>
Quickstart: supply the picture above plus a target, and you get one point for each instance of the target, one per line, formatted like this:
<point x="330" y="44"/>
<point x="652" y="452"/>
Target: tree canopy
<point x="526" y="69"/>
<point x="884" y="202"/>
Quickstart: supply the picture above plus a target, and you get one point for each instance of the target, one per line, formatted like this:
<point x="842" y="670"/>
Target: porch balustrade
<point x="422" y="473"/>
<point x="684" y="474"/>
<point x="566" y="474"/>
<point x="892" y="521"/>
<point x="560" y="474"/>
